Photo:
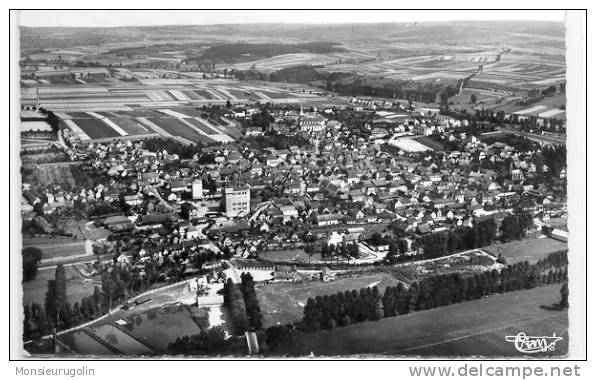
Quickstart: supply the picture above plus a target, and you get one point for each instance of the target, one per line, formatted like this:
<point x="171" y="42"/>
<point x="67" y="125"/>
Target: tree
<point x="60" y="290"/>
<point x="564" y="296"/>
<point x="309" y="249"/>
<point x="31" y="259"/>
<point x="473" y="98"/>
<point x="228" y="104"/>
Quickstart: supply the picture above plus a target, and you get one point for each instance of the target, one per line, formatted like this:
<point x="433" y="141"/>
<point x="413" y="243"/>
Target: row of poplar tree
<point x="367" y="304"/>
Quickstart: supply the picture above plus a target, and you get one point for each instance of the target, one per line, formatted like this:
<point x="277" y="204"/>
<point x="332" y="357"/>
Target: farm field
<point x="176" y="127"/>
<point x="84" y="344"/>
<point x="283" y="61"/>
<point x="95" y="128"/>
<point x="471" y="328"/>
<point x="55" y="174"/>
<point x="159" y="327"/>
<point x="77" y="287"/>
<point x="485" y="99"/>
<point x="131" y="126"/>
<point x="123" y="342"/>
<point x="531" y="250"/>
<point x="119" y="95"/>
<point x="55" y="246"/>
<point x="549" y="103"/>
<point x="283" y="303"/>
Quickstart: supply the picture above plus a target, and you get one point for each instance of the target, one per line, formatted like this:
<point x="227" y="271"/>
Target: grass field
<point x="424" y="140"/>
<point x="56" y="246"/>
<point x="159" y="327"/>
<point x="289" y="255"/>
<point x="550" y="102"/>
<point x="531" y="250"/>
<point x="470" y="328"/>
<point x="283" y="303"/>
<point x="77" y="287"/>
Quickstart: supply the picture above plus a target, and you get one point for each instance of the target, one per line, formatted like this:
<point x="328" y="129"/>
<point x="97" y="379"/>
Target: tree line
<point x="342" y="309"/>
<point x="251" y="303"/>
<point x="234" y="301"/>
<point x="438" y="244"/>
<point x="206" y="342"/>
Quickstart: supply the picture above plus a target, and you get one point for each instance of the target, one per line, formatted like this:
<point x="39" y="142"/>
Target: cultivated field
<point x="54" y="174"/>
<point x="531" y="250"/>
<point x="55" y="246"/>
<point x="471" y="328"/>
<point x="283" y="303"/>
<point x="297" y="59"/>
<point x="119" y="95"/>
<point x="549" y="103"/>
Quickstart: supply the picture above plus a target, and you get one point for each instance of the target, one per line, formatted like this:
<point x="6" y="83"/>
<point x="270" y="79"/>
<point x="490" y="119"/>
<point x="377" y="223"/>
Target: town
<point x="206" y="212"/>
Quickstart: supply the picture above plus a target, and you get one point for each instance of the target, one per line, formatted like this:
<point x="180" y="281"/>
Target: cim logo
<point x="533" y="344"/>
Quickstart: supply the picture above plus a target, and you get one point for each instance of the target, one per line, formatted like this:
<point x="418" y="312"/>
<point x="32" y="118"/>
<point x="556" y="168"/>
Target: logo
<point x="533" y="344"/>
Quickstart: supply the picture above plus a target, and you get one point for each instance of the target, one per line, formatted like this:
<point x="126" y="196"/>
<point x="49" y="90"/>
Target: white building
<point x="237" y="200"/>
<point x="197" y="189"/>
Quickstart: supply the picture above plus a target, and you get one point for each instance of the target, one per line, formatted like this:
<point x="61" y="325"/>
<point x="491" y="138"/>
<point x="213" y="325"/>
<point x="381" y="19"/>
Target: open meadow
<point x="52" y="246"/>
<point x="471" y="328"/>
<point x="283" y="303"/>
<point x="77" y="286"/>
<point x="531" y="250"/>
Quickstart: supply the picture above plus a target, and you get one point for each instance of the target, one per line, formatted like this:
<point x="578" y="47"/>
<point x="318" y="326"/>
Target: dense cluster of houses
<point x="341" y="180"/>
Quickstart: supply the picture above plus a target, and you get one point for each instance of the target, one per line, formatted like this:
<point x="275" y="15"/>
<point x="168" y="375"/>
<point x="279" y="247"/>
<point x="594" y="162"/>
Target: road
<point x="232" y="271"/>
<point x="153" y="190"/>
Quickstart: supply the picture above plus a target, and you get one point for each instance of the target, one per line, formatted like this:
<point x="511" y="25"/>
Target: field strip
<point x="173" y="113"/>
<point x="208" y="125"/>
<point x="226" y="93"/>
<point x="62" y="115"/>
<point x="530" y="110"/>
<point x="76" y="129"/>
<point x="221" y="138"/>
<point x="117" y="128"/>
<point x="198" y="130"/>
<point x="501" y="327"/>
<point x="110" y="123"/>
<point x="154" y="127"/>
<point x="551" y="113"/>
<point x="182" y="140"/>
<point x="263" y="96"/>
<point x="215" y="94"/>
<point x="141" y="126"/>
<point x="179" y="95"/>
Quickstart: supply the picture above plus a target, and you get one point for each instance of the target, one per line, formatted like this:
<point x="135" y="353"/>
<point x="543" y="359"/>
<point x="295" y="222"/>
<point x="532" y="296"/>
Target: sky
<point x="110" y="18"/>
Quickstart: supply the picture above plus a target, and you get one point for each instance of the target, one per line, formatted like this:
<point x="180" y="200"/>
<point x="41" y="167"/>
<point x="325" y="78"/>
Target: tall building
<point x="197" y="189"/>
<point x="237" y="200"/>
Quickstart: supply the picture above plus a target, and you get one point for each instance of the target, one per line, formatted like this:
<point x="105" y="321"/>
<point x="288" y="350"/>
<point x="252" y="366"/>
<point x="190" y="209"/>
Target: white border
<point x="349" y="370"/>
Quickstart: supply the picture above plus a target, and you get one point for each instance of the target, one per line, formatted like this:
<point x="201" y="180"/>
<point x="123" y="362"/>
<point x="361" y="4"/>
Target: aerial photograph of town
<point x="293" y="190"/>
